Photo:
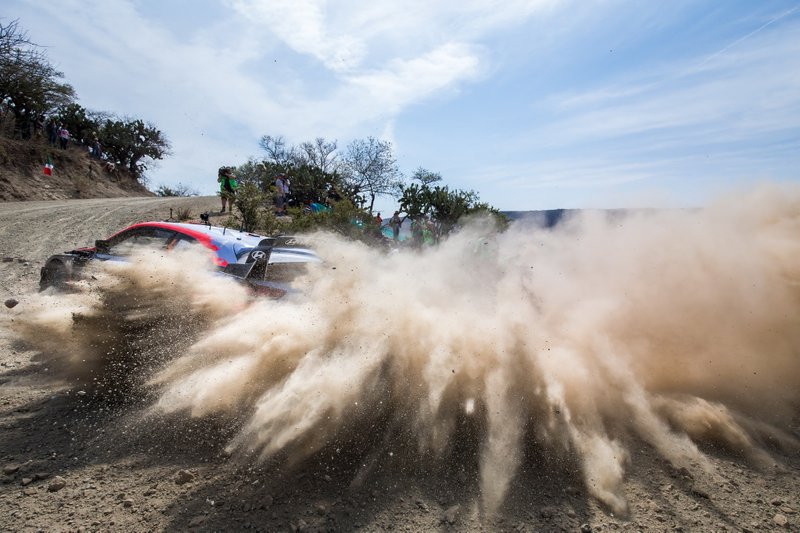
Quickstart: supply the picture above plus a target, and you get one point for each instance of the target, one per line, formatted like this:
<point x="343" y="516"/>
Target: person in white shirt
<point x="281" y="193"/>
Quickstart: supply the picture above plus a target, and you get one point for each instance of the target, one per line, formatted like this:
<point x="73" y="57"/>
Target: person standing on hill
<point x="97" y="151"/>
<point x="63" y="137"/>
<point x="395" y="224"/>
<point x="52" y="132"/>
<point x="281" y="193"/>
<point x="38" y="127"/>
<point x="227" y="187"/>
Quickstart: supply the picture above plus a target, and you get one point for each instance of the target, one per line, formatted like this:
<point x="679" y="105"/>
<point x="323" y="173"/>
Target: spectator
<point x="428" y="232"/>
<point x="416" y="233"/>
<point x="63" y="137"/>
<point x="379" y="220"/>
<point x="227" y="187"/>
<point x="38" y="126"/>
<point x="395" y="224"/>
<point x="281" y="193"/>
<point x="97" y="151"/>
<point x="52" y="132"/>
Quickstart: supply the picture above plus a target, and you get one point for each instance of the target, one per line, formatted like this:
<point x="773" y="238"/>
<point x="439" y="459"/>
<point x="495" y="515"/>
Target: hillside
<point x="76" y="175"/>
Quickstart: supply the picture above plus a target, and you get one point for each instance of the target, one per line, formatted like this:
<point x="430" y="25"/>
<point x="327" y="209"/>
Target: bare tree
<point x="276" y="150"/>
<point x="29" y="84"/>
<point x="320" y="154"/>
<point x="371" y="169"/>
<point x="12" y="37"/>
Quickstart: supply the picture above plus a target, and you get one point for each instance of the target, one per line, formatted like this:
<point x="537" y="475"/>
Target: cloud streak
<point x="728" y="116"/>
<point x="755" y="87"/>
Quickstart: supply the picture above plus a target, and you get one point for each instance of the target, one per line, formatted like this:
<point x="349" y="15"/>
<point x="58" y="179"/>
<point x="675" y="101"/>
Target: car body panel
<point x="266" y="264"/>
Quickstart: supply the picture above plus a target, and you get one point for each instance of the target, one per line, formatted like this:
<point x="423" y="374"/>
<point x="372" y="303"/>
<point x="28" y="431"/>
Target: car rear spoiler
<point x="255" y="268"/>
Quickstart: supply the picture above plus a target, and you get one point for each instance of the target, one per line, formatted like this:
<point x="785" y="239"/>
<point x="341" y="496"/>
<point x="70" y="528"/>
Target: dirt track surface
<point x="72" y="462"/>
<point x="35" y="230"/>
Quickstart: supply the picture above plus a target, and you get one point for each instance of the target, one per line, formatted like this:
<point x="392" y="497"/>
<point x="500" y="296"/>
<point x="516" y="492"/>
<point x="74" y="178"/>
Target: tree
<point x="132" y="143"/>
<point x="29" y="85"/>
<point x="345" y="219"/>
<point x="320" y="154"/>
<point x="312" y="167"/>
<point x="444" y="205"/>
<point x="276" y="150"/>
<point x="254" y="171"/>
<point x="371" y="169"/>
<point x="425" y="176"/>
<point x="80" y="122"/>
<point x="12" y="37"/>
<point x="310" y="183"/>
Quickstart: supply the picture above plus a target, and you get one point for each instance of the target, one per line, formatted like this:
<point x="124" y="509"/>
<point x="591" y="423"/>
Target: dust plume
<point x="676" y="328"/>
<point x="124" y="319"/>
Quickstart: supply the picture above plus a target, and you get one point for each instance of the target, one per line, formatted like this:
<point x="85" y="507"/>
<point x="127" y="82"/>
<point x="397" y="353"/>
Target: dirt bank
<point x="76" y="175"/>
<point x="75" y="462"/>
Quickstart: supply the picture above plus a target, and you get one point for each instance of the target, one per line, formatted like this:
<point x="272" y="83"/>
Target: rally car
<point x="266" y="264"/>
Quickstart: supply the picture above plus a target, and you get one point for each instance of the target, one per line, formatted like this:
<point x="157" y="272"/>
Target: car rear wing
<point x="255" y="268"/>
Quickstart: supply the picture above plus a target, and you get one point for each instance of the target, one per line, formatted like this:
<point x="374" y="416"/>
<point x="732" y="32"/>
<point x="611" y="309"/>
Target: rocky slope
<point x="76" y="175"/>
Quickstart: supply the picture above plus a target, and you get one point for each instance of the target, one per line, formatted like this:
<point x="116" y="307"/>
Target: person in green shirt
<point x="227" y="186"/>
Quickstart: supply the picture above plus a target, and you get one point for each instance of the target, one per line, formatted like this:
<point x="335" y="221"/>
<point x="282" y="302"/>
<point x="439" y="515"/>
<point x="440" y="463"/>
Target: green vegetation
<point x="445" y="206"/>
<point x="29" y="85"/>
<point x="132" y="144"/>
<point x="32" y="94"/>
<point x="250" y="201"/>
<point x="176" y="190"/>
<point x="371" y="169"/>
<point x="336" y="191"/>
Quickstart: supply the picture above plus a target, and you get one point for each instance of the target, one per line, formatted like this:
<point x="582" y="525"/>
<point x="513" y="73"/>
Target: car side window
<point x="126" y="242"/>
<point x="182" y="242"/>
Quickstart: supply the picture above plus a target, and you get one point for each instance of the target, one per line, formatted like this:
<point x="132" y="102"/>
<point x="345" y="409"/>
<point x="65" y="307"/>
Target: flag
<point x="48" y="167"/>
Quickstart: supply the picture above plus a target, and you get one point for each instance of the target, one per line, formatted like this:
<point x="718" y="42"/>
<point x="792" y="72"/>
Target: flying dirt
<point x="678" y="328"/>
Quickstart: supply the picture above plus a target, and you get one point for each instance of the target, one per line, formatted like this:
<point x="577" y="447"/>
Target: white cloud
<point x="302" y="25"/>
<point x="593" y="172"/>
<point x="404" y="82"/>
<point x="345" y="35"/>
<point x="750" y="90"/>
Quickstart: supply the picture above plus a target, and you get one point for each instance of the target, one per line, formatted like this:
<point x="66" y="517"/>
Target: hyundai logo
<point x="258" y="255"/>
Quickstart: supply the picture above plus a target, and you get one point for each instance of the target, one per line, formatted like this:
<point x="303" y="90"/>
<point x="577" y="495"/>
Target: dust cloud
<point x="675" y="328"/>
<point x="113" y="328"/>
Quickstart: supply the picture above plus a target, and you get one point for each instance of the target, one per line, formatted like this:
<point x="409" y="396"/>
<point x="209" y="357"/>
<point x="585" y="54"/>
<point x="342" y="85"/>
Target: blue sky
<point x="534" y="104"/>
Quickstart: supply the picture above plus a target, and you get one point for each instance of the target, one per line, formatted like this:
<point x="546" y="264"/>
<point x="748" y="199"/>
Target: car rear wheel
<point x="54" y="275"/>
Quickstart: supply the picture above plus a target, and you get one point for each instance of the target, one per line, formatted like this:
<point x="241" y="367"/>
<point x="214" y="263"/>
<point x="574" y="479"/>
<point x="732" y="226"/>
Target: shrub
<point x="183" y="214"/>
<point x="250" y="202"/>
<point x="178" y="190"/>
<point x="343" y="218"/>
